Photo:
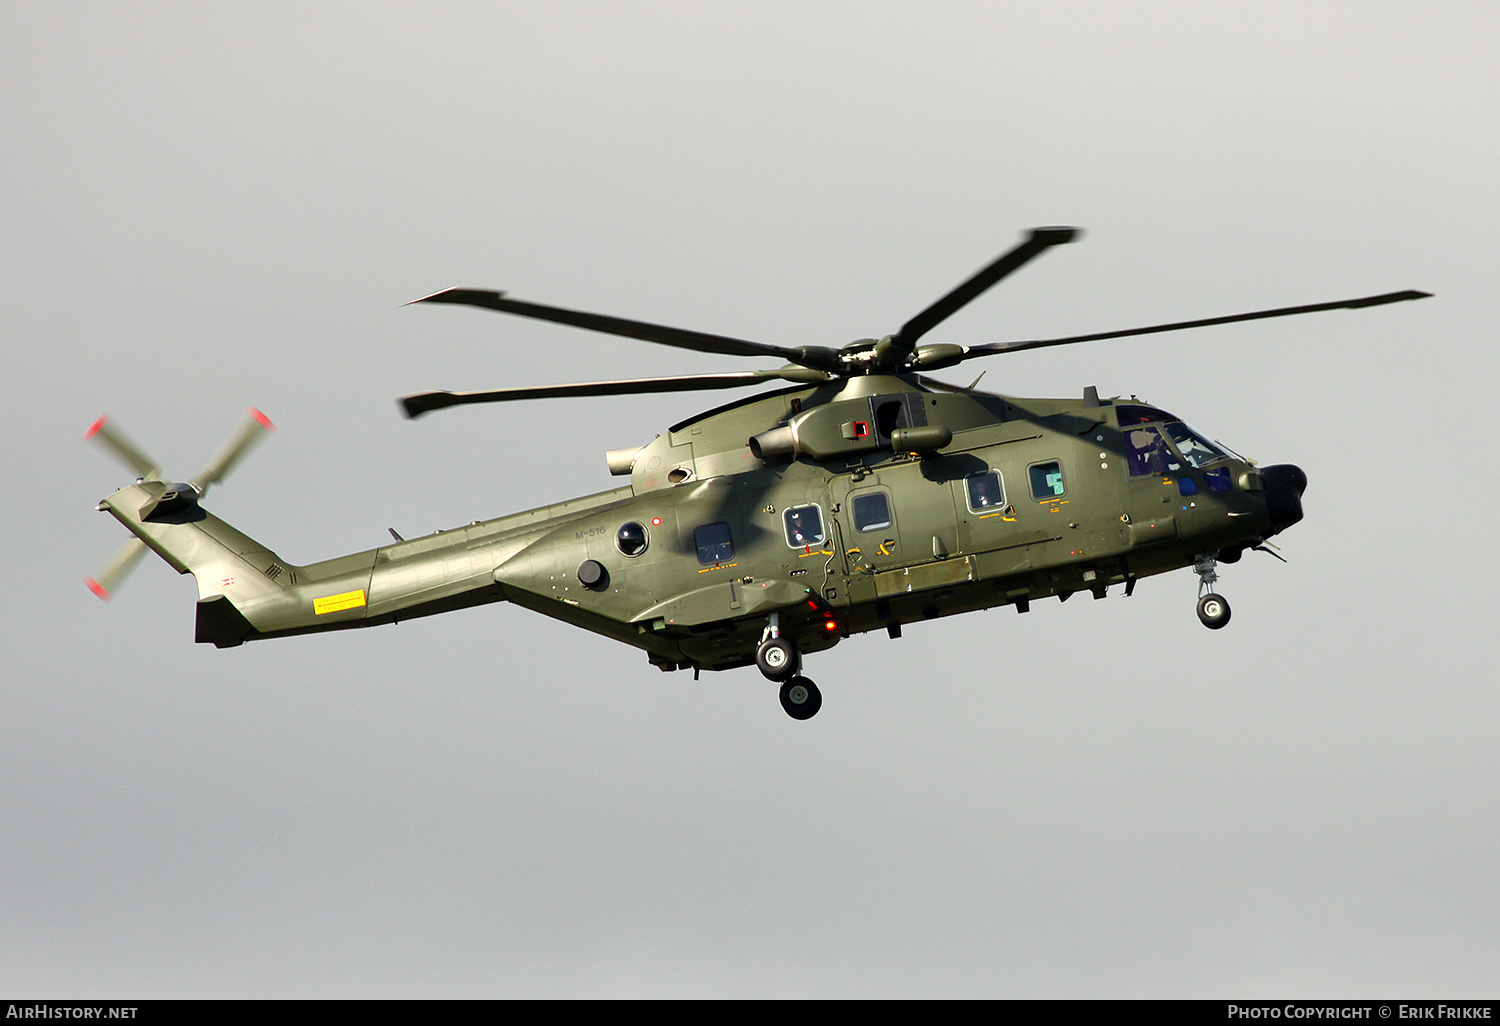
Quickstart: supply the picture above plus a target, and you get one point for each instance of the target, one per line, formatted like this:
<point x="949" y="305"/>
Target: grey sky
<point x="209" y="206"/>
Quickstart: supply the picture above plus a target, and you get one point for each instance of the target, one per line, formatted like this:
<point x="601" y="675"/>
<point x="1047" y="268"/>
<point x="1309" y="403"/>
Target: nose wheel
<point x="1213" y="611"/>
<point x="1213" y="608"/>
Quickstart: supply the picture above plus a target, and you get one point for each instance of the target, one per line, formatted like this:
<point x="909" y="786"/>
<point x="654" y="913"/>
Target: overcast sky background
<point x="209" y="206"/>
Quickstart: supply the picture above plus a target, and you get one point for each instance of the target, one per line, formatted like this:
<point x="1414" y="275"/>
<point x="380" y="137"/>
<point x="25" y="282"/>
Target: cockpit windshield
<point x="1147" y="452"/>
<point x="1196" y="449"/>
<point x="1146" y="447"/>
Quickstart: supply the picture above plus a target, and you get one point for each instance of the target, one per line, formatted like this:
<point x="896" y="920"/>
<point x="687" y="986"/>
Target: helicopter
<point x="859" y="495"/>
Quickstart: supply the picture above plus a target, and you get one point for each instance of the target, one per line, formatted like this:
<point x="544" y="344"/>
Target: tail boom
<point x="246" y="592"/>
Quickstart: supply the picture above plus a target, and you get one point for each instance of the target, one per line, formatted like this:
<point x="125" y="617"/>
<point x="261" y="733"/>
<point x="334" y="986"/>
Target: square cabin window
<point x="714" y="543"/>
<point x="1046" y="480"/>
<point x="986" y="492"/>
<point x="804" y="526"/>
<point x="872" y="511"/>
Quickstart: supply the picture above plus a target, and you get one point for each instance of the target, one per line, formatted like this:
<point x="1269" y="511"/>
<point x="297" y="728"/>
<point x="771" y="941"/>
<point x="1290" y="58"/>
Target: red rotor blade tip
<point x="94" y="427"/>
<point x="96" y="588"/>
<point x="265" y="421"/>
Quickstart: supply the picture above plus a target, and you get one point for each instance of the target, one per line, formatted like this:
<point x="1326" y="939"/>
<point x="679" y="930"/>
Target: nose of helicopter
<point x="1285" y="484"/>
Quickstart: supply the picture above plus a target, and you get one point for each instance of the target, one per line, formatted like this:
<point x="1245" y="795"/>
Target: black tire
<point x="801" y="698"/>
<point x="777" y="659"/>
<point x="1213" y="610"/>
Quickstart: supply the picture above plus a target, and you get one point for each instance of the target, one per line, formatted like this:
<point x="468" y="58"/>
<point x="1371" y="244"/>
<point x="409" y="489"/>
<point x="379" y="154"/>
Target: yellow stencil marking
<point x="814" y="552"/>
<point x="338" y="603"/>
<point x="721" y="566"/>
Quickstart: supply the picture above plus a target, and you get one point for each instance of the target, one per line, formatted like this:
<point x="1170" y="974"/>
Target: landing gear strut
<point x="1213" y="608"/>
<point x="779" y="660"/>
<point x="776" y="656"/>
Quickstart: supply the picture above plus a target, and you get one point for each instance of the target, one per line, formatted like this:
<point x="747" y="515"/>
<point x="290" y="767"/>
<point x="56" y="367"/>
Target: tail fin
<point x="236" y="574"/>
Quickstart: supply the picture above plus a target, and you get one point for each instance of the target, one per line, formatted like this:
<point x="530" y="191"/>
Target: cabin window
<point x="1194" y="448"/>
<point x="804" y="526"/>
<point x="1147" y="452"/>
<point x="1218" y="480"/>
<point x="1046" y="480"/>
<point x="872" y="511"/>
<point x="631" y="539"/>
<point x="714" y="543"/>
<point x="986" y="492"/>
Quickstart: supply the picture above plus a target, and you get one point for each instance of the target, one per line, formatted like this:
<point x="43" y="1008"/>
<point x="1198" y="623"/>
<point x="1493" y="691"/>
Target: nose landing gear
<point x="1213" y="608"/>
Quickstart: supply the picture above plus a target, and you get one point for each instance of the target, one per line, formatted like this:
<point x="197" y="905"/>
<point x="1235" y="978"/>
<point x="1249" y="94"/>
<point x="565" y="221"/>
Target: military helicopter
<point x="861" y="496"/>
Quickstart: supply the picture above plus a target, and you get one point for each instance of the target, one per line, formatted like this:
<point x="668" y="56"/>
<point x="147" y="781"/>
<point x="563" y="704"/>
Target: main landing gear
<point x="779" y="660"/>
<point x="1213" y="608"/>
<point x="801" y="698"/>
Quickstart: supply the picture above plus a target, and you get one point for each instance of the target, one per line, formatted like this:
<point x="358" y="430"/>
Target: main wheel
<point x="1213" y="610"/>
<point x="801" y="698"/>
<point x="776" y="658"/>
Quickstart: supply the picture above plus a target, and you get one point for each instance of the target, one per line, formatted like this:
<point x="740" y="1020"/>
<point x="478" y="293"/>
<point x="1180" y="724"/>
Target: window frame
<point x="1061" y="479"/>
<point x="786" y="528"/>
<point x="699" y="546"/>
<point x="890" y="510"/>
<point x="645" y="539"/>
<point x="969" y="495"/>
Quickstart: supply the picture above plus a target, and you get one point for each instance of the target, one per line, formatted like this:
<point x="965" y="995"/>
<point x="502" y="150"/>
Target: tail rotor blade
<point x="117" y="569"/>
<point x="122" y="448"/>
<point x="251" y="431"/>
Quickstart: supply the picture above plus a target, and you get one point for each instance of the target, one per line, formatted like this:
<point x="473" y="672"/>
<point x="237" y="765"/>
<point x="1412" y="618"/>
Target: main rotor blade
<point x="1039" y="240"/>
<point x="115" y="571"/>
<point x="1286" y="311"/>
<point x="423" y="402"/>
<point x="679" y="337"/>
<point x="251" y="431"/>
<point x="122" y="448"/>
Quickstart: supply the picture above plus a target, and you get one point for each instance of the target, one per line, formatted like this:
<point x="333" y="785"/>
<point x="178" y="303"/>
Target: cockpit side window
<point x="714" y="543"/>
<point x="1147" y="452"/>
<point x="804" y="526"/>
<point x="986" y="492"/>
<point x="1194" y="448"/>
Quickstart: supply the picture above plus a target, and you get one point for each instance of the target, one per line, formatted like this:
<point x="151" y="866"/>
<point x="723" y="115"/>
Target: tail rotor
<point x="127" y="452"/>
<point x="117" y="569"/>
<point x="118" y="445"/>
<point x="255" y="427"/>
